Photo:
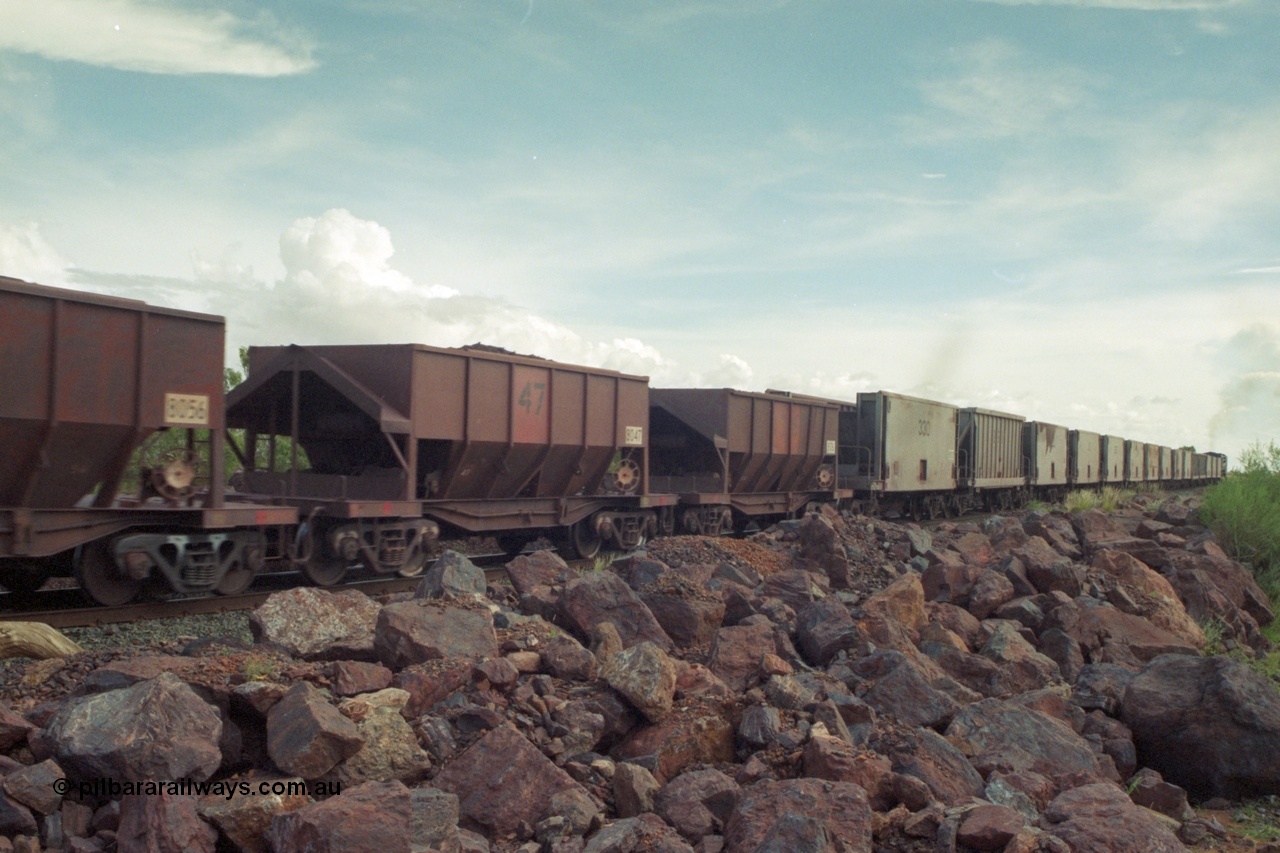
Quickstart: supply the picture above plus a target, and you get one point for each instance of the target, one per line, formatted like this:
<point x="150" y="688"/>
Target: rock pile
<point x="834" y="684"/>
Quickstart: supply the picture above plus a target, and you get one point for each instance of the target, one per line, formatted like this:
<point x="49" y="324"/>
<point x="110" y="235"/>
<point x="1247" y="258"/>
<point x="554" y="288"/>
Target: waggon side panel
<point x="1183" y="464"/>
<point x="989" y="449"/>
<point x="1152" y="470"/>
<point x="1045" y="449"/>
<point x="1135" y="459"/>
<point x="911" y="443"/>
<point x="1085" y="457"/>
<point x="1113" y="459"/>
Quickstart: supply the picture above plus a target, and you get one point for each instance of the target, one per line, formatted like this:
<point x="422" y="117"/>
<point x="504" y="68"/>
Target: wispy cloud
<point x="138" y="36"/>
<point x="1140" y="5"/>
<point x="991" y="89"/>
<point x="1202" y="184"/>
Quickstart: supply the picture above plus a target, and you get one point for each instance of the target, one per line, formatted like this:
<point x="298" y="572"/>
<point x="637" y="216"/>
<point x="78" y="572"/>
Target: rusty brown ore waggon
<point x="398" y="440"/>
<point x="737" y="457"/>
<point x="86" y="380"/>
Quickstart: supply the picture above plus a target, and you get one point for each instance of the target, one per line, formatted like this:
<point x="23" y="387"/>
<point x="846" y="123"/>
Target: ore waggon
<point x="85" y="381"/>
<point x="402" y="441"/>
<point x="365" y="455"/>
<point x="734" y="458"/>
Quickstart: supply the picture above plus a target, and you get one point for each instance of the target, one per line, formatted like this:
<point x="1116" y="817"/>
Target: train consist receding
<point x="365" y="455"/>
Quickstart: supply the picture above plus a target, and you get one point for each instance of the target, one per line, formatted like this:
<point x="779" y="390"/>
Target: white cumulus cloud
<point x="149" y="37"/>
<point x="340" y="287"/>
<point x="25" y="254"/>
<point x="337" y="253"/>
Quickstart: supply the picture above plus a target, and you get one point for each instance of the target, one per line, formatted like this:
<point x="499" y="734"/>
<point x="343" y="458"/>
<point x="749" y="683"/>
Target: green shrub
<point x="1214" y="632"/>
<point x="1244" y="513"/>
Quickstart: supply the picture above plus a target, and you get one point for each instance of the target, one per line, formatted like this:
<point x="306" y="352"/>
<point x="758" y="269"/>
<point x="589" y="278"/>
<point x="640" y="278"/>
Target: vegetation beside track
<point x="1108" y="499"/>
<point x="1244" y="513"/>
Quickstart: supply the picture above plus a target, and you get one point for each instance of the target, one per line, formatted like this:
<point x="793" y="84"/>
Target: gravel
<point x="148" y="632"/>
<point x="678" y="551"/>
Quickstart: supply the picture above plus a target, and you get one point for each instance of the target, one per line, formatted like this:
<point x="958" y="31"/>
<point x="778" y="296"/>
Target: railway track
<point x="66" y="608"/>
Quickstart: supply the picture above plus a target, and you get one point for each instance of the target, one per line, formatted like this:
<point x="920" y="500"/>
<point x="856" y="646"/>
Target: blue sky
<point x="1069" y="210"/>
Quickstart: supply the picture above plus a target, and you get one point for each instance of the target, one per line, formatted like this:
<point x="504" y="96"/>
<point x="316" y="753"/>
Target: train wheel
<point x="242" y="572"/>
<point x="237" y="579"/>
<point x="583" y="540"/>
<point x="512" y="544"/>
<point x="913" y="508"/>
<point x="667" y="521"/>
<point x="100" y="577"/>
<point x="691" y="522"/>
<point x="414" y="565"/>
<point x="324" y="572"/>
<point x="23" y="577"/>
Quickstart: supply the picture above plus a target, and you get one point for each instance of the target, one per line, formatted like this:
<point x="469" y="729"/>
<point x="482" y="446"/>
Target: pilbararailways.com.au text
<point x="113" y="788"/>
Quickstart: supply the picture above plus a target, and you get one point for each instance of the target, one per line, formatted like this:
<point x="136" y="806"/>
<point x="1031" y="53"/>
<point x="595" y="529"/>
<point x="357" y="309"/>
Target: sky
<point x="1065" y="209"/>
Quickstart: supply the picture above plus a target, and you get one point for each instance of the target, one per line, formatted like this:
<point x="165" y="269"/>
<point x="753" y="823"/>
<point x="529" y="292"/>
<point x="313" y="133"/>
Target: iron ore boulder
<point x="1210" y="725"/>
<point x="156" y="729"/>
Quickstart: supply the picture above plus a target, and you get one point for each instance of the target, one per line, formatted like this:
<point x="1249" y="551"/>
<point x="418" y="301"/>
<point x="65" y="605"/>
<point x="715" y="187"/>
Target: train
<point x="346" y="456"/>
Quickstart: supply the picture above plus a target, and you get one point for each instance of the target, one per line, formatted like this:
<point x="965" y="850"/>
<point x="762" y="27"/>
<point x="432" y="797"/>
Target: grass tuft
<point x="1258" y="820"/>
<point x="1109" y="499"/>
<point x="1215" y="631"/>
<point x="1081" y="500"/>
<point x="604" y="560"/>
<point x="1114" y="497"/>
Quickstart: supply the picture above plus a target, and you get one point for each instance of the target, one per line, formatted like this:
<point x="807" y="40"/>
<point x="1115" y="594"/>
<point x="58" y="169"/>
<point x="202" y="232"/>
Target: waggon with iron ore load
<point x="737" y="458"/>
<point x="1166" y="464"/>
<point x="402" y="441"/>
<point x="96" y="392"/>
<point x="1154" y="472"/>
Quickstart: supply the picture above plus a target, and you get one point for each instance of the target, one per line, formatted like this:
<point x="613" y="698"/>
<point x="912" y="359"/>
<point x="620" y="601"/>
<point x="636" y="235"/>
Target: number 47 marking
<point x="526" y="400"/>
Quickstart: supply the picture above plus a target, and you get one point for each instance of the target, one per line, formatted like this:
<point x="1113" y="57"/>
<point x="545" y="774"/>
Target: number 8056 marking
<point x="186" y="409"/>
